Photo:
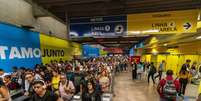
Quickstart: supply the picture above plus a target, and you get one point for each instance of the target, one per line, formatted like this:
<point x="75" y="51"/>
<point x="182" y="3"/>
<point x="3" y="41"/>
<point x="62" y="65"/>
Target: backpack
<point x="153" y="69"/>
<point x="169" y="90"/>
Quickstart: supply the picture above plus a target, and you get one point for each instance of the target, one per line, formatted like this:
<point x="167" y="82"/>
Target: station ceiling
<point x="65" y="9"/>
<point x="77" y="8"/>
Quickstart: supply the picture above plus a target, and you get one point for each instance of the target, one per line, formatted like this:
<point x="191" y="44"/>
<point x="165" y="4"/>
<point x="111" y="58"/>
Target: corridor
<point x="126" y="89"/>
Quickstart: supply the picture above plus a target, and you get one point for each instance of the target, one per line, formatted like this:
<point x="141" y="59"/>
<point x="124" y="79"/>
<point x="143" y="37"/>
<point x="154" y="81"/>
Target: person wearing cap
<point x="41" y="92"/>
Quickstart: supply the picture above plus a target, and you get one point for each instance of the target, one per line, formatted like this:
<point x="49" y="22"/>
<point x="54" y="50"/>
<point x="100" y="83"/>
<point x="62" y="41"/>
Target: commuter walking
<point x="161" y="69"/>
<point x="151" y="73"/>
<point x="134" y="70"/>
<point x="168" y="88"/>
<point x="140" y="70"/>
<point x="183" y="79"/>
<point x="186" y="66"/>
<point x="193" y="70"/>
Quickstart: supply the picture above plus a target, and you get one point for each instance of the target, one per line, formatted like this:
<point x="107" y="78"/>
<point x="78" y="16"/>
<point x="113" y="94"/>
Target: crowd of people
<point x="90" y="78"/>
<point x="60" y="81"/>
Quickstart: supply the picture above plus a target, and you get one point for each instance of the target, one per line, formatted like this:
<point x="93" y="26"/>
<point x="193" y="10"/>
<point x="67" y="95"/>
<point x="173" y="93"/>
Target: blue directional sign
<point x="98" y="26"/>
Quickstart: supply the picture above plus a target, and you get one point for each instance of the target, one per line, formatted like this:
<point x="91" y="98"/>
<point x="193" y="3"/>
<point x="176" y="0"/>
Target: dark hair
<point x="169" y="72"/>
<point x="1" y="82"/>
<point x="183" y="71"/>
<point x="188" y="60"/>
<point x="92" y="82"/>
<point x="22" y="68"/>
<point x="28" y="74"/>
<point x="29" y="70"/>
<point x="7" y="76"/>
<point x="36" y="66"/>
<point x="77" y="68"/>
<point x="55" y="70"/>
<point x="1" y="70"/>
<point x="14" y="68"/>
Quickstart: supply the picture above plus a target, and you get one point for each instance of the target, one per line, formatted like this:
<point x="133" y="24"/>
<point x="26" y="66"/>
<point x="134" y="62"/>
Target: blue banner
<point x="18" y="47"/>
<point x="89" y="51"/>
<point x="98" y="26"/>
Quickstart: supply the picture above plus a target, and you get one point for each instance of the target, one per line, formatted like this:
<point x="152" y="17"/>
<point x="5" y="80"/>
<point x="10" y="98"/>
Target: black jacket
<point x="95" y="96"/>
<point x="49" y="96"/>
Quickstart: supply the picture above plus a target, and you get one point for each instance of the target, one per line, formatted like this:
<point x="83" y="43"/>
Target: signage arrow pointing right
<point x="187" y="25"/>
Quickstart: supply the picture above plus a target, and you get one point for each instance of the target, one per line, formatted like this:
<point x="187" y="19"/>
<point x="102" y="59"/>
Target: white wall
<point x="16" y="12"/>
<point x="47" y="24"/>
<point x="19" y="12"/>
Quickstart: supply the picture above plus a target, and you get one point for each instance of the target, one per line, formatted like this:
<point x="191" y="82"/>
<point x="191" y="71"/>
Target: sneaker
<point x="182" y="96"/>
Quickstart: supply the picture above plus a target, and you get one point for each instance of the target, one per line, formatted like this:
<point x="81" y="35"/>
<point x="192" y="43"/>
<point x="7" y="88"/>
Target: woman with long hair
<point x="90" y="93"/>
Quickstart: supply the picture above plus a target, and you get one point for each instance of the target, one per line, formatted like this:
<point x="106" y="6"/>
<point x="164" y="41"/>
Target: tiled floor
<point x="125" y="89"/>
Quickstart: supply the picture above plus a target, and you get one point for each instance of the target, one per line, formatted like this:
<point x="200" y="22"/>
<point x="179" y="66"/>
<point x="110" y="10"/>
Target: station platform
<point x="126" y="89"/>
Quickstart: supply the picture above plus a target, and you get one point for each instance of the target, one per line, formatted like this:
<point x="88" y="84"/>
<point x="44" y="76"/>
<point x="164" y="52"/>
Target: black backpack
<point x="153" y="69"/>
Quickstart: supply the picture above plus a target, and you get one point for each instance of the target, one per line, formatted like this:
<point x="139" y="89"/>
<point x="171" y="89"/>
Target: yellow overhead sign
<point x="163" y="22"/>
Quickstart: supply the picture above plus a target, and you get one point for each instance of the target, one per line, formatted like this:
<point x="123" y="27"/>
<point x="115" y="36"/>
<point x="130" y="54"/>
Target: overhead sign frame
<point x="170" y="22"/>
<point x="104" y="26"/>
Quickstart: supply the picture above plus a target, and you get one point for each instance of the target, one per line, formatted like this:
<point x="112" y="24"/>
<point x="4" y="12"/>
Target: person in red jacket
<point x="168" y="88"/>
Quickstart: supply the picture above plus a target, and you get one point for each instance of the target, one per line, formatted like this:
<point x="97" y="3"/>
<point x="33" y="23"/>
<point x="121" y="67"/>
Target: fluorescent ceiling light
<point x="150" y="31"/>
<point x="134" y="32"/>
<point x="127" y="36"/>
<point x="199" y="16"/>
<point x="139" y="32"/>
<point x="165" y="44"/>
<point x="199" y="37"/>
